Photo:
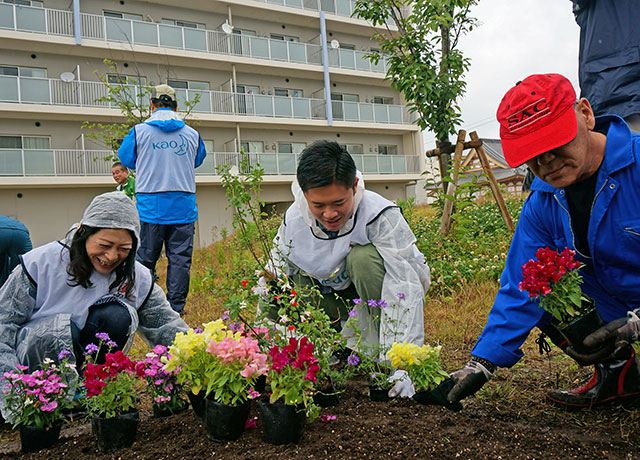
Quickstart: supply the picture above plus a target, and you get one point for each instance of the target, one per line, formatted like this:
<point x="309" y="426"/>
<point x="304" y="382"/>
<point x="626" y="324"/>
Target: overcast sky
<point x="515" y="38"/>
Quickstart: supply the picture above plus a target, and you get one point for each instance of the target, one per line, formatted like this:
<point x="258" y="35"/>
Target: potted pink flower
<point x="162" y="384"/>
<point x="36" y="400"/>
<point x="235" y="363"/>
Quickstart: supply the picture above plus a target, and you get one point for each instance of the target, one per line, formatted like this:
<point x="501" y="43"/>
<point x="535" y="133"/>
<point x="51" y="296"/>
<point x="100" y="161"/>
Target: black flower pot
<point x="282" y="423"/>
<point x="260" y="384"/>
<point x="438" y="396"/>
<point x="576" y="331"/>
<point x="116" y="432"/>
<point x="326" y="397"/>
<point x="225" y="423"/>
<point x="378" y="394"/>
<point x="160" y="410"/>
<point x="198" y="405"/>
<point x="34" y="439"/>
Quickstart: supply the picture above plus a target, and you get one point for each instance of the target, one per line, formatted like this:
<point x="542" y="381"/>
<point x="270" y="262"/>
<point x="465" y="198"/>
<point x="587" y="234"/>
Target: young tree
<point x="424" y="63"/>
<point x="131" y="96"/>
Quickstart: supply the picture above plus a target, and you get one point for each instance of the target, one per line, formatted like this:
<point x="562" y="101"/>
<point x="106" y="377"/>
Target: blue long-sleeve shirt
<point x="611" y="275"/>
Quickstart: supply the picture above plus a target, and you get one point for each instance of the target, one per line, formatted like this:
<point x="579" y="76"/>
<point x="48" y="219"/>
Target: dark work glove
<point x="611" y="341"/>
<point x="470" y="378"/>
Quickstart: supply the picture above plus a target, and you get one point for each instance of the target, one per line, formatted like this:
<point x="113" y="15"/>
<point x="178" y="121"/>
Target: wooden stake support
<point x="460" y="146"/>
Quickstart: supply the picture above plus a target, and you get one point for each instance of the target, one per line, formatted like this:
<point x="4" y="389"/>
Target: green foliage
<point x="118" y="397"/>
<point x="421" y="363"/>
<point x="430" y="80"/>
<point x="478" y="253"/>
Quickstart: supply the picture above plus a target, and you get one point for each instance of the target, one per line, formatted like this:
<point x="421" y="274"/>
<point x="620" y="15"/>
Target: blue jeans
<point x="178" y="246"/>
<point x="112" y="318"/>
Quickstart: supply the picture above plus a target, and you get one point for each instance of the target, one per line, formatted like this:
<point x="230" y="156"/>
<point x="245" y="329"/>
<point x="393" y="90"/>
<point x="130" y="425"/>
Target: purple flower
<point x="235" y="327"/>
<point x="63" y="354"/>
<point x="91" y="348"/>
<point x="372" y="303"/>
<point x="353" y="313"/>
<point x="198" y="330"/>
<point x="225" y="315"/>
<point x="382" y="303"/>
<point x="111" y="344"/>
<point x="356" y="301"/>
<point x="103" y="336"/>
<point x="353" y="360"/>
<point x="401" y="296"/>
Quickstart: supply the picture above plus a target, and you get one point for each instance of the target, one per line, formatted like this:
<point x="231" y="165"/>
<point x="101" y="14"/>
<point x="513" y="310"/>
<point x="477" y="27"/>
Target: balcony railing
<point x="89" y="94"/>
<point x="60" y="22"/>
<point x="55" y="162"/>
<point x="339" y="7"/>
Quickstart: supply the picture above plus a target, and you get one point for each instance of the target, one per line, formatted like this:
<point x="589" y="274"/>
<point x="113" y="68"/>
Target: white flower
<point x="47" y="361"/>
<point x="243" y="304"/>
<point x="259" y="290"/>
<point x="308" y="313"/>
<point x="284" y="319"/>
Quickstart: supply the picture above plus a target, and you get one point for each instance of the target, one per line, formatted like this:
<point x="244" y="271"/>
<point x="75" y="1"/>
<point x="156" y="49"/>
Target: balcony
<point x="339" y="7"/>
<point x="20" y="162"/>
<point x="95" y="27"/>
<point x="88" y="94"/>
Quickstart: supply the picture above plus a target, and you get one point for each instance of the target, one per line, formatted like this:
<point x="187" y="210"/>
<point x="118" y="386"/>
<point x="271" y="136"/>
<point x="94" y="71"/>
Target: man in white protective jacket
<point x="353" y="243"/>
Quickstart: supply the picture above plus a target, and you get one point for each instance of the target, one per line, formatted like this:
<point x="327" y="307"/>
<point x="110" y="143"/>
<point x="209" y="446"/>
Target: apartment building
<point x="272" y="77"/>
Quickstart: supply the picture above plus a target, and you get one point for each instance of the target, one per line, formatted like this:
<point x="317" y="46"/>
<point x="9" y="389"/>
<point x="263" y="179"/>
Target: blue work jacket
<point x="611" y="274"/>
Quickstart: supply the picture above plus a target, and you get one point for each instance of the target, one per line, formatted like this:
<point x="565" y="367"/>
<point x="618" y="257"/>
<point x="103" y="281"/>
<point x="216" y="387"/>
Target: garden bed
<point x="363" y="430"/>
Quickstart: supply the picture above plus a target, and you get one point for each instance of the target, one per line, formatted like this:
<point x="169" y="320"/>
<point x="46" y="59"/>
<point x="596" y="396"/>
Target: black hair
<point x="117" y="164"/>
<point x="164" y="101"/>
<point x="80" y="267"/>
<point x="324" y="163"/>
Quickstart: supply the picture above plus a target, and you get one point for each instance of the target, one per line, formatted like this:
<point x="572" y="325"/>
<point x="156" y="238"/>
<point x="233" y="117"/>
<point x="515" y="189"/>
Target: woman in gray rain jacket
<point x="65" y="292"/>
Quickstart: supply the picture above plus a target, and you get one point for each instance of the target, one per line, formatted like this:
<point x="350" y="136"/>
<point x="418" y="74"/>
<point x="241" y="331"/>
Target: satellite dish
<point x="226" y="28"/>
<point x="335" y="44"/>
<point x="67" y="76"/>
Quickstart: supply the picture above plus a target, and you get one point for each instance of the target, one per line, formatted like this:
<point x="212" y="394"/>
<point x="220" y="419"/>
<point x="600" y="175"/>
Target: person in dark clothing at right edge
<point x="609" y="60"/>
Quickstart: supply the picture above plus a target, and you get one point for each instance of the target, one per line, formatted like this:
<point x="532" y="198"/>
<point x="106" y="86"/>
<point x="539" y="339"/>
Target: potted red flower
<point x="554" y="280"/>
<point x="292" y="375"/>
<point x="112" y="394"/>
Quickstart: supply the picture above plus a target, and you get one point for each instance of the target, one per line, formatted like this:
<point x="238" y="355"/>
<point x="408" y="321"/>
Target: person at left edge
<point x="14" y="241"/>
<point x="164" y="151"/>
<point x="66" y="291"/>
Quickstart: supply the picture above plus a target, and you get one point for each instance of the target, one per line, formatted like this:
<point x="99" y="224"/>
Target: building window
<point x="185" y="84"/>
<point x="286" y="92"/>
<point x="345" y="46"/>
<point x="291" y="147"/>
<point x="345" y="97"/>
<point x="208" y="145"/>
<point x="118" y="15"/>
<point x="287" y="38"/>
<point x="382" y="100"/>
<point x="14" y="71"/>
<point x="177" y="22"/>
<point x="25" y="142"/>
<point x="387" y="149"/>
<point x="252" y="146"/>
<point x="24" y="3"/>
<point x="353" y="149"/>
<point x="116" y="79"/>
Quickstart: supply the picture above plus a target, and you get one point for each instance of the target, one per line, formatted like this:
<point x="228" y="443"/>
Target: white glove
<point x="403" y="386"/>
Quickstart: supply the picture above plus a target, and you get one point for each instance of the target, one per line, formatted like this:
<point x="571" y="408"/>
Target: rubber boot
<point x="615" y="381"/>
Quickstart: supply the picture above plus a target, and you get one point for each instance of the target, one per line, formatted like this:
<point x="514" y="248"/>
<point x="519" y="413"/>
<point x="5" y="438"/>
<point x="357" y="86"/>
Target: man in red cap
<point x="585" y="197"/>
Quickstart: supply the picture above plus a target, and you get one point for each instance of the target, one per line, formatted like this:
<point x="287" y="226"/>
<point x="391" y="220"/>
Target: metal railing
<point x="69" y="162"/>
<point x="339" y="7"/>
<point x="51" y="91"/>
<point x="60" y="22"/>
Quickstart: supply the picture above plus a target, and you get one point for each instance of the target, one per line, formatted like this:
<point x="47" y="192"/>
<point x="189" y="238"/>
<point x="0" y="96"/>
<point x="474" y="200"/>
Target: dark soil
<point x="363" y="429"/>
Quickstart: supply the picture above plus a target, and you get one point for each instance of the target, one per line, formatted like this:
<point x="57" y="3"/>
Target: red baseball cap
<point x="536" y="116"/>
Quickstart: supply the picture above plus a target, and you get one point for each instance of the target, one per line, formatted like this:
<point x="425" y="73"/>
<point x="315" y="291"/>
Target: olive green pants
<point x="365" y="269"/>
